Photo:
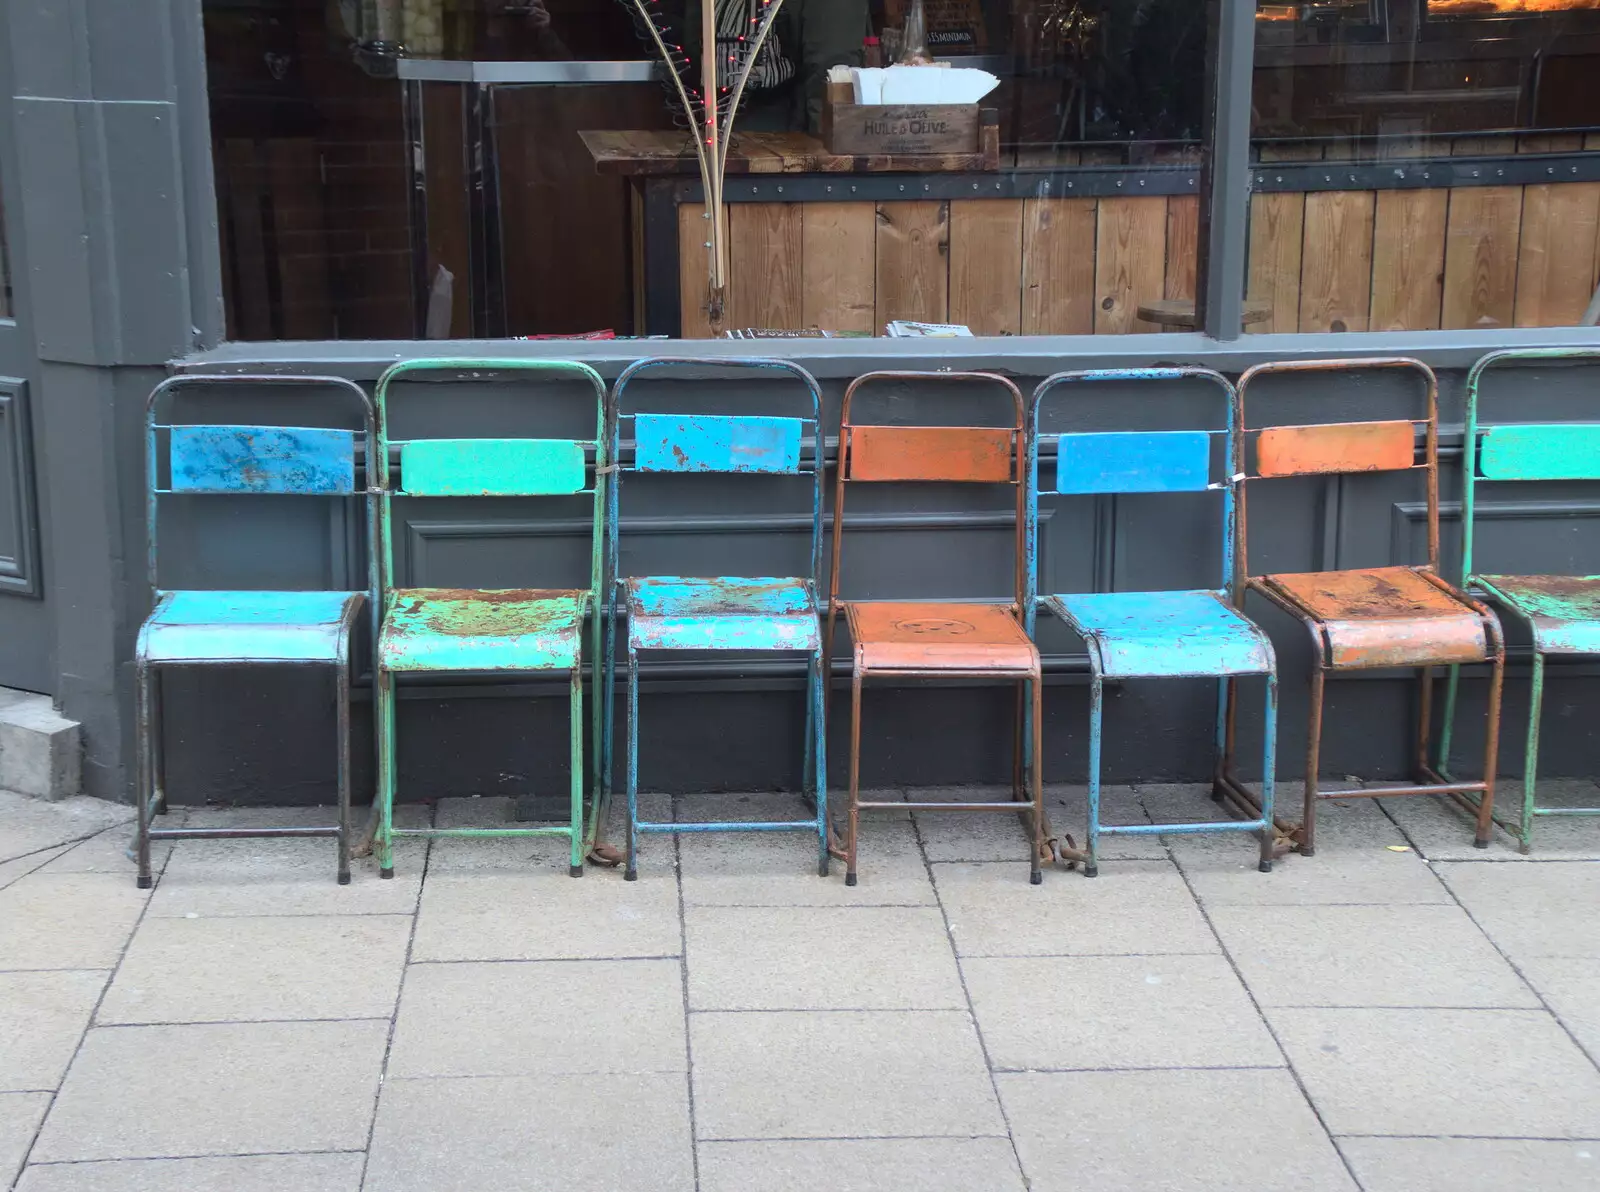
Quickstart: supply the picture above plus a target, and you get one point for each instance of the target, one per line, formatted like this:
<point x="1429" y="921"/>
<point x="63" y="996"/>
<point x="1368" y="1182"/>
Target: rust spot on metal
<point x="1336" y="447"/>
<point x="985" y="638"/>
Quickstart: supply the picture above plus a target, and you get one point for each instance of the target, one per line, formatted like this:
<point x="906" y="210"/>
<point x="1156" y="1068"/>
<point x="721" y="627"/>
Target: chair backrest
<point x="877" y="453"/>
<point x="1144" y="461"/>
<point x="494" y="466"/>
<point x="668" y="442"/>
<point x="230" y="459"/>
<point x="1522" y="450"/>
<point x="1335" y="448"/>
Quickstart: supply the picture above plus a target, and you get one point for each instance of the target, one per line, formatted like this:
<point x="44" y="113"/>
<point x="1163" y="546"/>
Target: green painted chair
<point x="1560" y="612"/>
<point x="510" y="632"/>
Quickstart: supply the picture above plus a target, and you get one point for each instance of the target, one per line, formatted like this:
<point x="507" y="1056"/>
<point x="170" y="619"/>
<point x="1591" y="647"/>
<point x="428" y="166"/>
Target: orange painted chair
<point x="1369" y="618"/>
<point x="938" y="638"/>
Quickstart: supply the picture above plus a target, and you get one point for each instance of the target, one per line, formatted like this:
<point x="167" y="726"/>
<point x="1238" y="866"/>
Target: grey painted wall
<point x="735" y="724"/>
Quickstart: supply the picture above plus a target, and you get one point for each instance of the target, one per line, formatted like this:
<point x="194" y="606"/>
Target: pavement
<point x="1399" y="1013"/>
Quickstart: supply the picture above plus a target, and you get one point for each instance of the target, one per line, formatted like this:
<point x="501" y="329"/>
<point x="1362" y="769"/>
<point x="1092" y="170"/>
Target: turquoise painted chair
<point x="202" y="628"/>
<point x="511" y="633"/>
<point x="1156" y="635"/>
<point x="1560" y="612"/>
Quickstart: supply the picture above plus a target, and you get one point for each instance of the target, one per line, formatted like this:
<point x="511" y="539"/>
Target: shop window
<point x="1425" y="164"/>
<point x="417" y="168"/>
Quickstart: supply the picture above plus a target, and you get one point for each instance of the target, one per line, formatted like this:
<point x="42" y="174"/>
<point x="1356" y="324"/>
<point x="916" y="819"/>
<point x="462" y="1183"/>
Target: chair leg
<point x="1447" y="728"/>
<point x="342" y="695"/>
<point x="575" y="764"/>
<point x="1308" y="822"/>
<point x="1096" y="723"/>
<point x="817" y="749"/>
<point x="1227" y="693"/>
<point x="1419" y="765"/>
<point x="1269" y="761"/>
<point x="386" y="774"/>
<point x="631" y="873"/>
<point x="158" y="760"/>
<point x="1530" y="771"/>
<point x="1035" y="705"/>
<point x="853" y="823"/>
<point x="144" y="778"/>
<point x="1491" y="752"/>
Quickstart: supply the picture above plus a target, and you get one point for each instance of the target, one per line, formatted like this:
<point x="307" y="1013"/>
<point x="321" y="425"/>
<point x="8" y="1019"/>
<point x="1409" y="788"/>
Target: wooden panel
<point x="693" y="286"/>
<point x="1335" y="447"/>
<point x="1183" y="244"/>
<point x="913" y="246"/>
<point x="956" y="453"/>
<point x="1336" y="269"/>
<point x="1277" y="233"/>
<point x="765" y="242"/>
<point x="1408" y="259"/>
<point x="1130" y="262"/>
<point x="840" y="270"/>
<point x="1481" y="238"/>
<point x="252" y="309"/>
<point x="1058" y="266"/>
<point x="986" y="265"/>
<point x="299" y="232"/>
<point x="1555" y="255"/>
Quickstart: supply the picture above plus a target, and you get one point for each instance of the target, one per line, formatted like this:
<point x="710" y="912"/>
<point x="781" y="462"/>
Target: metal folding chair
<point x="758" y="613"/>
<point x="1561" y="612"/>
<point x="245" y="628"/>
<point x="507" y="632"/>
<point x="938" y="639"/>
<point x="1377" y="617"/>
<point x="1165" y="634"/>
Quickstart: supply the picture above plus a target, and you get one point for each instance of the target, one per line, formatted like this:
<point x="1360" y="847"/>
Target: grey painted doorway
<point x="27" y="633"/>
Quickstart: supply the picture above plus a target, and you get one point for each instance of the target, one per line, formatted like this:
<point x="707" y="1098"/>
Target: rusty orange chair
<point x="1368" y="618"/>
<point x="938" y="638"/>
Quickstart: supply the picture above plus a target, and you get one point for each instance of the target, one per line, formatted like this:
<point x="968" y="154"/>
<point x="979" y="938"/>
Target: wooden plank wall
<point x="1325" y="261"/>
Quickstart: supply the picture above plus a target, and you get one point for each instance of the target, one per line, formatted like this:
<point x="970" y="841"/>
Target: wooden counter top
<point x="638" y="153"/>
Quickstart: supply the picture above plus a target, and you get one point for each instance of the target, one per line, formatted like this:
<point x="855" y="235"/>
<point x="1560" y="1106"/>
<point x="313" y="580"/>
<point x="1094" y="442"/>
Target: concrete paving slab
<point x="237" y="1088"/>
<point x="69" y="920"/>
<point x="820" y="958"/>
<point x="1135" y="908"/>
<point x="1472" y="1164"/>
<point x="229" y="1173"/>
<point x="1571" y="987"/>
<point x="1197" y="1131"/>
<point x="1368" y="956"/>
<point x="1531" y="910"/>
<point x="532" y="1134"/>
<point x="807" y="1074"/>
<point x="28" y="824"/>
<point x="1443" y="830"/>
<point x="1372" y="874"/>
<point x="953" y="836"/>
<point x="546" y="915"/>
<point x="522" y="1018"/>
<point x="111" y="851"/>
<point x="20" y="1115"/>
<point x="42" y="1018"/>
<point x="13" y="870"/>
<point x="508" y="854"/>
<point x="861" y="1165"/>
<point x="1116" y="1012"/>
<point x="1482" y="1073"/>
<point x="263" y="968"/>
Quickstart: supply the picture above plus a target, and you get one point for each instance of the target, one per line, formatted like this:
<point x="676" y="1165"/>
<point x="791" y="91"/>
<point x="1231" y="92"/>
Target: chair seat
<point x="1151" y="634"/>
<point x="1385" y="616"/>
<point x="946" y="636"/>
<point x="1563" y="610"/>
<point x="466" y="629"/>
<point x="670" y="612"/>
<point x="249" y="626"/>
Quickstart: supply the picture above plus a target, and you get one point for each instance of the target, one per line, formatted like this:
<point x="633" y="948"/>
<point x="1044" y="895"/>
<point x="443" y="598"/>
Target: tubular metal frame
<point x="1428" y="781"/>
<point x="1258" y="814"/>
<point x="150" y="792"/>
<point x="583" y="837"/>
<point x="1027" y="757"/>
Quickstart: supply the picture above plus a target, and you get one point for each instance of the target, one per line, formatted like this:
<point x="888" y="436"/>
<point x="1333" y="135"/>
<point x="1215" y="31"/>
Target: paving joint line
<point x="182" y="1158"/>
<point x="683" y="975"/>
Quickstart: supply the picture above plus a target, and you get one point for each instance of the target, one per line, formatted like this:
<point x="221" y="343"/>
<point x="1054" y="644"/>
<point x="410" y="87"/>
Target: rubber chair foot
<point x="1480" y="844"/>
<point x="1307" y="852"/>
<point x="1264" y="867"/>
<point x="850" y="879"/>
<point x="1091" y="871"/>
<point x="144" y="882"/>
<point x="822" y="867"/>
<point x="386" y="873"/>
<point x="344" y="879"/>
<point x="631" y="875"/>
<point x="1036" y="878"/>
<point x="574" y="870"/>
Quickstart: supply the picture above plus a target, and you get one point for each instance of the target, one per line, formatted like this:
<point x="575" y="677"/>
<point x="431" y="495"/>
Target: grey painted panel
<point x="19" y="509"/>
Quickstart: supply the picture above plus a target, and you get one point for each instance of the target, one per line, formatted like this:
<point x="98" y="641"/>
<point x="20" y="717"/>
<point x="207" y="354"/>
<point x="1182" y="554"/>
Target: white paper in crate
<point x="920" y="84"/>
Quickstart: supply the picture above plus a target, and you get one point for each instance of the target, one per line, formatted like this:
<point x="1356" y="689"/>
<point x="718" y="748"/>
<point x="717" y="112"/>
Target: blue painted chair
<point x="732" y="613"/>
<point x="510" y="633"/>
<point x="1169" y="635"/>
<point x="1560" y="612"/>
<point x="193" y="628"/>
